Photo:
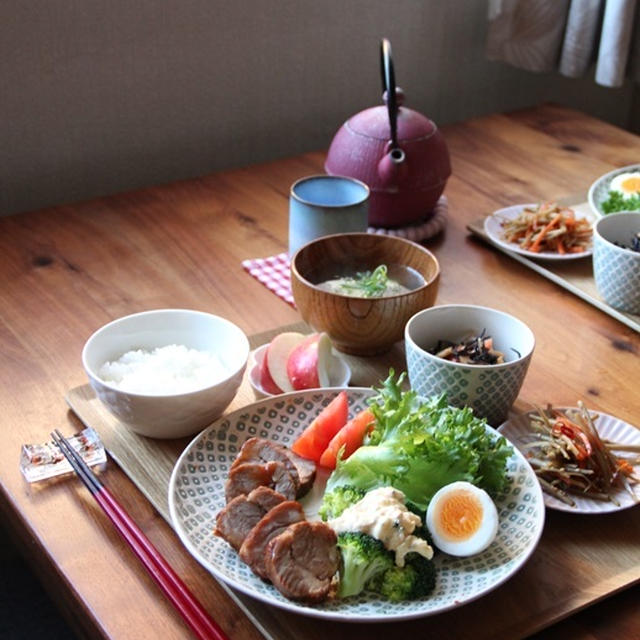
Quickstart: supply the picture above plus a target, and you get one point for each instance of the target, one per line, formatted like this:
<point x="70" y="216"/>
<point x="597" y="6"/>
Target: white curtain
<point x="568" y="36"/>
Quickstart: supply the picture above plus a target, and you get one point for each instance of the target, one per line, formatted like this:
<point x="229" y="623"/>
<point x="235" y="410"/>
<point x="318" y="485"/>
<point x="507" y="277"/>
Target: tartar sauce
<point x="382" y="514"/>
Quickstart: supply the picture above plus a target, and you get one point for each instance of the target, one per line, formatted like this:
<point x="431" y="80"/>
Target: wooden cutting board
<point x="580" y="558"/>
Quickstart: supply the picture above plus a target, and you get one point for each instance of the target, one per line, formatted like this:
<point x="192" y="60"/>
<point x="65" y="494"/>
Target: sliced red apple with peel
<point x="325" y="356"/>
<point x="308" y="362"/>
<point x="266" y="381"/>
<point x="277" y="356"/>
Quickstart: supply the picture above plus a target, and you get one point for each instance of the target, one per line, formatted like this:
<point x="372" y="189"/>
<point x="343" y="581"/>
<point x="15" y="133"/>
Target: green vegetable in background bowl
<point x="624" y="193"/>
<point x="618" y="202"/>
<point x="616" y="191"/>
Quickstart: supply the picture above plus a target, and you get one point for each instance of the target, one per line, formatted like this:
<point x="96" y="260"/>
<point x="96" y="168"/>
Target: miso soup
<point x="383" y="281"/>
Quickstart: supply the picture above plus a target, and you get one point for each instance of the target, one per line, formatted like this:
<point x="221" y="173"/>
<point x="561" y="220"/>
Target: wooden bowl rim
<point x="383" y="238"/>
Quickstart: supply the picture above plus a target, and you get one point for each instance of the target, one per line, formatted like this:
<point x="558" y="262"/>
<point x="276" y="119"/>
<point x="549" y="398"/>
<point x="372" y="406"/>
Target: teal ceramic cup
<point x="323" y="205"/>
<point x="490" y="390"/>
<point x="616" y="267"/>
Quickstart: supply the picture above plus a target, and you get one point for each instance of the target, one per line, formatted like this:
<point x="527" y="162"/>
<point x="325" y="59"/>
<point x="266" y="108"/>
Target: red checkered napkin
<point x="273" y="273"/>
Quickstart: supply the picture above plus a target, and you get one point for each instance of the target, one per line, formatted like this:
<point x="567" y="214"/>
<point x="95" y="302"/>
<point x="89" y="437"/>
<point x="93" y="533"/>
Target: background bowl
<point x="339" y="373"/>
<point x="490" y="390"/>
<point x="168" y="415"/>
<point x="361" y="326"/>
<point x="617" y="269"/>
<point x="599" y="190"/>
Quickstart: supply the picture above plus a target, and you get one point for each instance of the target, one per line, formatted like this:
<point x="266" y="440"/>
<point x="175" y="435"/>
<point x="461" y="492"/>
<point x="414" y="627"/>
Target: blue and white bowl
<point x="490" y="390"/>
<point x="616" y="268"/>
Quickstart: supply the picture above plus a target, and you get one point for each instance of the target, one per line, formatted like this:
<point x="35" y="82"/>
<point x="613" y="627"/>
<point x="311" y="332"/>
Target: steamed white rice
<point x="165" y="370"/>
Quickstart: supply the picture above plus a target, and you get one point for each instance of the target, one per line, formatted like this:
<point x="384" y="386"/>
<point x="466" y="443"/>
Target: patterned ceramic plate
<point x="196" y="494"/>
<point x="493" y="228"/>
<point x="609" y="428"/>
<point x="599" y="190"/>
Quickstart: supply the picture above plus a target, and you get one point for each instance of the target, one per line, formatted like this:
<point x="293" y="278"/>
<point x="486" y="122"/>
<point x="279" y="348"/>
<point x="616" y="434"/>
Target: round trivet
<point x="422" y="230"/>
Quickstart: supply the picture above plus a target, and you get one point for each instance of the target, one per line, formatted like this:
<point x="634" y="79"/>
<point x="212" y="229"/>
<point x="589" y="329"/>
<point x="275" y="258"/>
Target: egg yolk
<point x="460" y="515"/>
<point x="631" y="184"/>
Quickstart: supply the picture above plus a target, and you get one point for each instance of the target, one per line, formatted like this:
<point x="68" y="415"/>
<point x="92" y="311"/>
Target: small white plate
<point x="599" y="190"/>
<point x="339" y="373"/>
<point x="609" y="428"/>
<point x="493" y="228"/>
<point x="196" y="494"/>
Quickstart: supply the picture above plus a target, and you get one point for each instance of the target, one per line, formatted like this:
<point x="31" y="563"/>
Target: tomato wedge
<point x="314" y="439"/>
<point x="350" y="436"/>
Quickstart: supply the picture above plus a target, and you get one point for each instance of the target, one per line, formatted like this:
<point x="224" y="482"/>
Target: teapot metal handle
<point x="389" y="86"/>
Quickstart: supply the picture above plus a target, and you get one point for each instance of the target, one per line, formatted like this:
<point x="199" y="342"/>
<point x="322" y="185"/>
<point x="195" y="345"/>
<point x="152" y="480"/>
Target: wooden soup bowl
<point x="361" y="326"/>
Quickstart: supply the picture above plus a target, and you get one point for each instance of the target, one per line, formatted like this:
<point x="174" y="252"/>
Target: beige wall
<point x="103" y="96"/>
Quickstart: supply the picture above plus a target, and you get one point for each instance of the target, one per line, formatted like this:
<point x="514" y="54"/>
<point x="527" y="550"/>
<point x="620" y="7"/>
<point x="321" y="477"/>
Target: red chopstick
<point x="165" y="577"/>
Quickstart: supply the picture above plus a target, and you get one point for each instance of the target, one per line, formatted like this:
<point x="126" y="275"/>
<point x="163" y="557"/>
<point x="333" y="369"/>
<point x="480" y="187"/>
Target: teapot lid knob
<point x="399" y="97"/>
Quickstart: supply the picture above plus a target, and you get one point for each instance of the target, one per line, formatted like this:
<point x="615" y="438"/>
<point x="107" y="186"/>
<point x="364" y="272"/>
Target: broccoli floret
<point x="364" y="558"/>
<point x="421" y="530"/>
<point x="415" y="580"/>
<point x="336" y="501"/>
<point x="415" y="509"/>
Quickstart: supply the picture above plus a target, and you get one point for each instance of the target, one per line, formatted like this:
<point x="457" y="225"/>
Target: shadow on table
<point x="26" y="612"/>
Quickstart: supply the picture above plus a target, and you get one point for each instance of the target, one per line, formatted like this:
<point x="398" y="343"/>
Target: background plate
<point x="609" y="428"/>
<point x="196" y="494"/>
<point x="493" y="228"/>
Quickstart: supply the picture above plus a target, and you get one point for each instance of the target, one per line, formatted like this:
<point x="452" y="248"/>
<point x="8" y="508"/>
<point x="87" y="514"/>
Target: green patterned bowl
<point x="489" y="390"/>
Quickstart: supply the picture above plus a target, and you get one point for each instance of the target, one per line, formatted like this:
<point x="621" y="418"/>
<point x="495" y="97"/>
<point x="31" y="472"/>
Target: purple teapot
<point x="399" y="153"/>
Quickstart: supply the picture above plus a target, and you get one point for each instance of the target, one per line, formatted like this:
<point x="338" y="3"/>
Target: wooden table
<point x="67" y="270"/>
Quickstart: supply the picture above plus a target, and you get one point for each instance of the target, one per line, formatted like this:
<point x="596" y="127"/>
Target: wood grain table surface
<point x="68" y="270"/>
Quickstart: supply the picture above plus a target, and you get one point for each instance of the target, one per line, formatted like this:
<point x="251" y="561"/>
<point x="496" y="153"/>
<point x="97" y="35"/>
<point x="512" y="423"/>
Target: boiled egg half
<point x="462" y="519"/>
<point x="628" y="184"/>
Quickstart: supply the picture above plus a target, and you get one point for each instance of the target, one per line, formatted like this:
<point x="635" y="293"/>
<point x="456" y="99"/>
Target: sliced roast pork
<point x="266" y="498"/>
<point x="252" y="551"/>
<point x="247" y="476"/>
<point x="306" y="471"/>
<point x="240" y="515"/>
<point x="302" y="561"/>
<point x="263" y="450"/>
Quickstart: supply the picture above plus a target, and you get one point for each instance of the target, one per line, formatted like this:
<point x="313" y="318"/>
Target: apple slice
<point x="277" y="356"/>
<point x="308" y="363"/>
<point x="266" y="381"/>
<point x="325" y="358"/>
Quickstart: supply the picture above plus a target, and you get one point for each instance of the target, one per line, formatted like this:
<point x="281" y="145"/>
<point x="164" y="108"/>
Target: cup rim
<point x="315" y="287"/>
<point x="329" y="177"/>
<point x="479" y="367"/>
<point x="612" y="216"/>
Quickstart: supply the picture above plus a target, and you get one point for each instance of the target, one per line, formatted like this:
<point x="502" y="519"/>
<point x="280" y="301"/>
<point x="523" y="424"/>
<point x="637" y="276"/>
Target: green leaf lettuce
<point x="420" y="445"/>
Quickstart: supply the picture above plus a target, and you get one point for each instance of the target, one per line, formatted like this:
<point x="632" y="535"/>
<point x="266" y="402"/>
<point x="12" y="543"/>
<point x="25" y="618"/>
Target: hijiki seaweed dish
<point x="474" y="349"/>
